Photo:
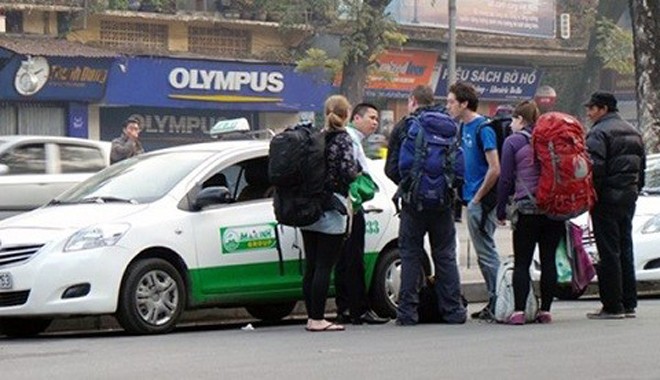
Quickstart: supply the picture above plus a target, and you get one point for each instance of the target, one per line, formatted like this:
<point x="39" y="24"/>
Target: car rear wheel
<point x="386" y="284"/>
<point x="152" y="297"/>
<point x="271" y="311"/>
<point x="23" y="327"/>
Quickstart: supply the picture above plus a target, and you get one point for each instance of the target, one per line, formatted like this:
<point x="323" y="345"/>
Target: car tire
<point x="566" y="293"/>
<point x="271" y="312"/>
<point x="23" y="327"/>
<point x="152" y="297"/>
<point x="386" y="283"/>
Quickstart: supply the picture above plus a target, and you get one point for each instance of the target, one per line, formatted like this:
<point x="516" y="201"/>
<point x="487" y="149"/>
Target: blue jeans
<point x="484" y="244"/>
<point x="442" y="234"/>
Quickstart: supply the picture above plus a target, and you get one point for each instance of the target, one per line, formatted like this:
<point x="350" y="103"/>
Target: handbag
<point x="583" y="270"/>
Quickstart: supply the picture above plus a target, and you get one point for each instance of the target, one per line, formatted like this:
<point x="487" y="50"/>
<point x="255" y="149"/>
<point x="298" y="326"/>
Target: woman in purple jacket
<point x="519" y="177"/>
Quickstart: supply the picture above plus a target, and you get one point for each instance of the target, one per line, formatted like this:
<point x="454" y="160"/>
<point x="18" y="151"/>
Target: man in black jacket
<point x="617" y="152"/>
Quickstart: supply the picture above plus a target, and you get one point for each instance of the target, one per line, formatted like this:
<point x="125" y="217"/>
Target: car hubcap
<point x="393" y="281"/>
<point x="157" y="297"/>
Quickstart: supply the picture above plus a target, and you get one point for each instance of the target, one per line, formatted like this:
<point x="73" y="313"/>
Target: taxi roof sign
<point x="230" y="126"/>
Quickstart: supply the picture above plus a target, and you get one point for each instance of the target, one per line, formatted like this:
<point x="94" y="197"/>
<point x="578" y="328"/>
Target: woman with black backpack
<point x="323" y="239"/>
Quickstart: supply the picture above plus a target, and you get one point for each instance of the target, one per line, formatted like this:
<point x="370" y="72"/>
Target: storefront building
<point x="177" y="101"/>
<point x="46" y="86"/>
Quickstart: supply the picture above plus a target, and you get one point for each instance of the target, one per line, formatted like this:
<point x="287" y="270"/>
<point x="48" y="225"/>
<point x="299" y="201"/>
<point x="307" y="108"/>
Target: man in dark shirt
<point x="128" y="144"/>
<point x="617" y="151"/>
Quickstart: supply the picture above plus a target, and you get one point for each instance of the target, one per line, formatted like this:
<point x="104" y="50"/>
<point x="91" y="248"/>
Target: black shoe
<point x="602" y="314"/>
<point x="630" y="313"/>
<point x="343" y="317"/>
<point x="370" y="318"/>
<point x="484" y="314"/>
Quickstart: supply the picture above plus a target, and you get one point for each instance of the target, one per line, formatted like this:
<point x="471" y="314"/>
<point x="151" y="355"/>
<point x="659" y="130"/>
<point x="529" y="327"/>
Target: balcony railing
<point x="45" y="3"/>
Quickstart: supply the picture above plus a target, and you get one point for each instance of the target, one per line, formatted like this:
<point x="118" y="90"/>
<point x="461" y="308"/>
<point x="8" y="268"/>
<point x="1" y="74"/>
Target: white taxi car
<point x="175" y="229"/>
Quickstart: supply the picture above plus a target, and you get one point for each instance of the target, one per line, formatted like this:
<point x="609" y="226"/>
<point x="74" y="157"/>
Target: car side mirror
<point x="211" y="196"/>
<point x="4" y="169"/>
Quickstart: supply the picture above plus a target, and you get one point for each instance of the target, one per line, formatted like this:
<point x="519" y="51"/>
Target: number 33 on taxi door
<point x="372" y="227"/>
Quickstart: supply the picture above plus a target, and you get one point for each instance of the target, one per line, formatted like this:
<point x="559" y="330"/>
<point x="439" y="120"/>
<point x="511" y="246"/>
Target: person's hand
<point x="501" y="222"/>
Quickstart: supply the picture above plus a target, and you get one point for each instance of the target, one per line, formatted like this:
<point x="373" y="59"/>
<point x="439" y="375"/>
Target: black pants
<point x="321" y="253"/>
<point x="349" y="272"/>
<point x="530" y="230"/>
<point x="616" y="271"/>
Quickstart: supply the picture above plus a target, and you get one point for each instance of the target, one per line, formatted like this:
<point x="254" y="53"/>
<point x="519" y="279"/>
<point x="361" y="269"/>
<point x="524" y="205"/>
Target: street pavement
<point x="572" y="347"/>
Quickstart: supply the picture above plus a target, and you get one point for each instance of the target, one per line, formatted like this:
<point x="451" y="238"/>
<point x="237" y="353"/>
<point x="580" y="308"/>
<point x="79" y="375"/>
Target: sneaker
<point x="544" y="317"/>
<point x="484" y="314"/>
<point x="630" y="313"/>
<point x="602" y="314"/>
<point x="517" y="318"/>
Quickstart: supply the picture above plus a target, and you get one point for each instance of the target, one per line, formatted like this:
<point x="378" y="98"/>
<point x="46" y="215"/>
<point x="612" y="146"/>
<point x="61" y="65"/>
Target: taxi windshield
<point x="141" y="179"/>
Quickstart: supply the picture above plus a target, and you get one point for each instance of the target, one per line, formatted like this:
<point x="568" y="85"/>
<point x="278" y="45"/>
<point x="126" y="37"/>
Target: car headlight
<point x="652" y="225"/>
<point x="100" y="235"/>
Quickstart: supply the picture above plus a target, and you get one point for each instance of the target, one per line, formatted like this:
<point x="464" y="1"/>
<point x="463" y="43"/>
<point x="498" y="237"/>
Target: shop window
<point x="219" y="41"/>
<point x="123" y="34"/>
<point x="32" y="119"/>
<point x="36" y="120"/>
<point x="26" y="159"/>
<point x="14" y="21"/>
<point x="80" y="159"/>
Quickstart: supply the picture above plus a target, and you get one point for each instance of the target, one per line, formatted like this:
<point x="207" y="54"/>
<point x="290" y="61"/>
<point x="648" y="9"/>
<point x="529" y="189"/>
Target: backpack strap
<point x="486" y="123"/>
<point x="407" y="187"/>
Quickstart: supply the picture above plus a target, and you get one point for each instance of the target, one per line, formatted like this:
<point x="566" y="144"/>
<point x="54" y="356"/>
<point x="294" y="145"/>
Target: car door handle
<point x="373" y="210"/>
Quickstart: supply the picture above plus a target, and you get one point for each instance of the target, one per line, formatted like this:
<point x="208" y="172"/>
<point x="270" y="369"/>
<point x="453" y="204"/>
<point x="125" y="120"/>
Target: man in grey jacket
<point x="128" y="144"/>
<point x="617" y="152"/>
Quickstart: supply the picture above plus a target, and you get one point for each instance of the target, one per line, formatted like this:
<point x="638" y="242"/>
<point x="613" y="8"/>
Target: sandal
<point x="329" y="327"/>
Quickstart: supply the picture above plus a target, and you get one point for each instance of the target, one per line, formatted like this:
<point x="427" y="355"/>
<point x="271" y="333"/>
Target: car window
<point x="246" y="180"/>
<point x="80" y="159"/>
<point x="26" y="159"/>
<point x="142" y="179"/>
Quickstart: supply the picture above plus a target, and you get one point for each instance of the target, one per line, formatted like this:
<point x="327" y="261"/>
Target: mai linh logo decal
<point x="248" y="238"/>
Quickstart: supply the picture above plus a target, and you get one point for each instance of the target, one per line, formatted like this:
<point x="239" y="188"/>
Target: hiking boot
<point x="517" y="318"/>
<point x="544" y="317"/>
<point x="484" y="314"/>
<point x="630" y="313"/>
<point x="602" y="314"/>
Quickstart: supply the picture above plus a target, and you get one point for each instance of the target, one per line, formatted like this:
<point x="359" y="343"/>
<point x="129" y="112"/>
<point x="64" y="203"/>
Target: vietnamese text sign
<point x="495" y="82"/>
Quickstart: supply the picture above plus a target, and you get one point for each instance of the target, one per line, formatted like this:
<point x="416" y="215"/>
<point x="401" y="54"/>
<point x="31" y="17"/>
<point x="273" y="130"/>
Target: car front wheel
<point x="152" y="297"/>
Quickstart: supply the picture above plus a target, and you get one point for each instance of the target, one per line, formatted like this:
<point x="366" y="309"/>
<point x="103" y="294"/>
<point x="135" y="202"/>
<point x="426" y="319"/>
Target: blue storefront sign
<point x="40" y="78"/>
<point x="200" y="84"/>
<point x="495" y="82"/>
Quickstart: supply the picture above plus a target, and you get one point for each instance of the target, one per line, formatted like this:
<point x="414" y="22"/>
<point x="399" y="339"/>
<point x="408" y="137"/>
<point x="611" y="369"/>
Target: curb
<point x="474" y="292"/>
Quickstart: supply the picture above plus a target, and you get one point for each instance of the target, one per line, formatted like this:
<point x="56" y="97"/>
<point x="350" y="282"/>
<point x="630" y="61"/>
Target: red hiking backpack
<point x="565" y="187"/>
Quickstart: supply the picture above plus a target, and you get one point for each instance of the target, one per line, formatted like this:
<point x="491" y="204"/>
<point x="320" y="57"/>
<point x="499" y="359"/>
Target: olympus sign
<point x="194" y="79"/>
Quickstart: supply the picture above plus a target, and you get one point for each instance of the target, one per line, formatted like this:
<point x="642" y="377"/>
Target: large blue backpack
<point x="430" y="161"/>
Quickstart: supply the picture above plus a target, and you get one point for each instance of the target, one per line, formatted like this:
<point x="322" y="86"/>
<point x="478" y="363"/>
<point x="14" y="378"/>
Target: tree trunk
<point x="590" y="77"/>
<point x="646" y="31"/>
<point x="354" y="78"/>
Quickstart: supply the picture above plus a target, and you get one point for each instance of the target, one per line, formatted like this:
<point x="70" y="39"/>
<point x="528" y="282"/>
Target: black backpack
<point x="501" y="125"/>
<point x="296" y="168"/>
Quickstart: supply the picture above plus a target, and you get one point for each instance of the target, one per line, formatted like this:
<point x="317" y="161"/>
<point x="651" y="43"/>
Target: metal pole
<point x="451" y="57"/>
